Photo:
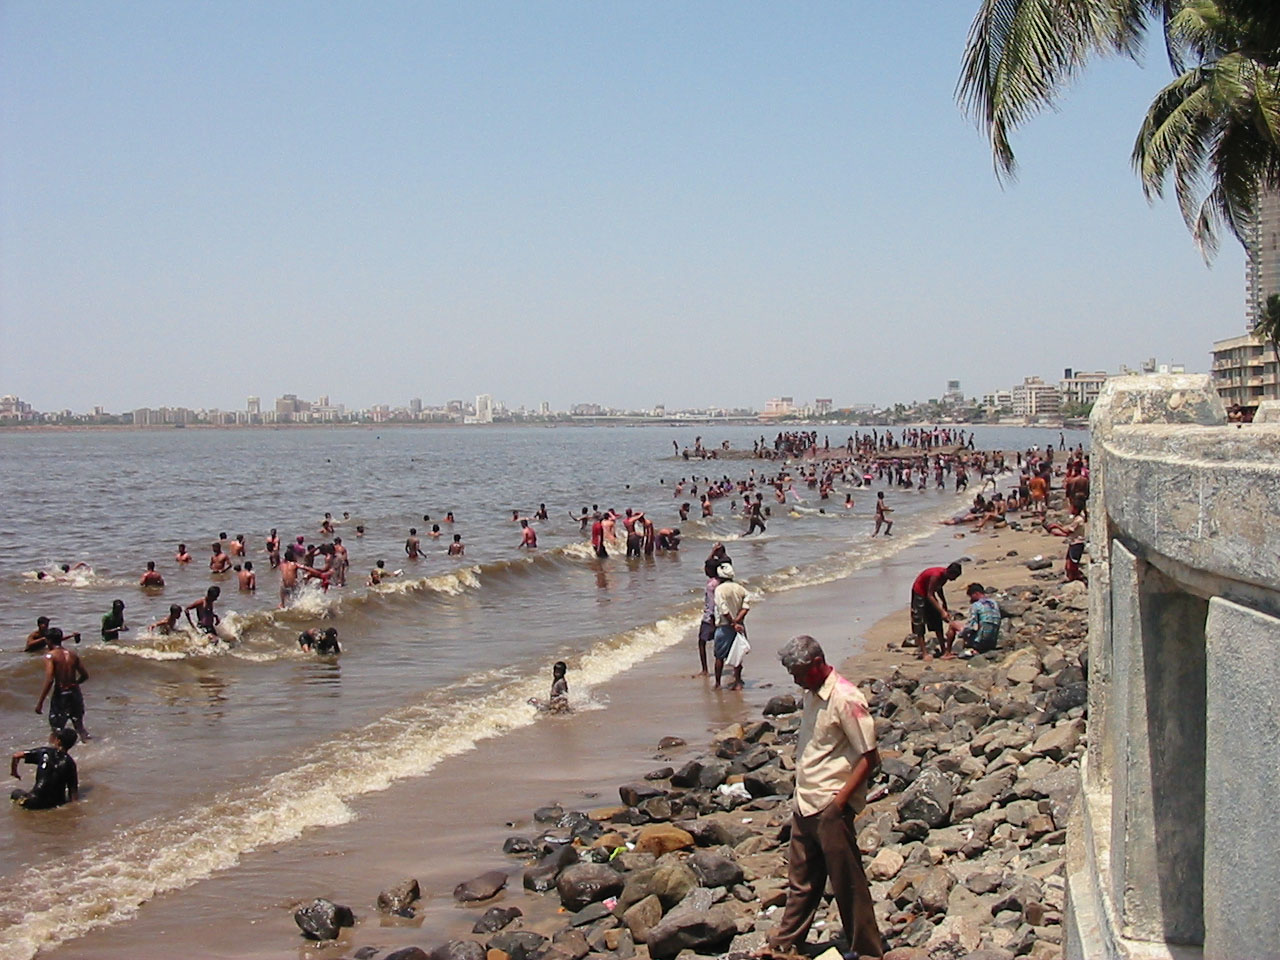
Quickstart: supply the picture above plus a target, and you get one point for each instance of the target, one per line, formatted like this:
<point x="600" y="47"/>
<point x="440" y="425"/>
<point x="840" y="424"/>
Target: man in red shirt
<point x="597" y="538"/>
<point x="929" y="607"/>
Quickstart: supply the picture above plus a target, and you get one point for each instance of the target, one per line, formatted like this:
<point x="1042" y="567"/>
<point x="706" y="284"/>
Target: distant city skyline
<point x="709" y="204"/>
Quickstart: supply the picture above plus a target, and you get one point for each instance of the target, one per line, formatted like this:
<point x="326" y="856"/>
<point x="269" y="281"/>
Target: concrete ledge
<point x="1091" y="928"/>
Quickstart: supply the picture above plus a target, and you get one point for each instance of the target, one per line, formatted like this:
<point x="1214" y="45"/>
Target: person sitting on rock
<point x="981" y="631"/>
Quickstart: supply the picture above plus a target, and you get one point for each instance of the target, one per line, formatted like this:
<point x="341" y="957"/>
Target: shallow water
<point x="203" y="754"/>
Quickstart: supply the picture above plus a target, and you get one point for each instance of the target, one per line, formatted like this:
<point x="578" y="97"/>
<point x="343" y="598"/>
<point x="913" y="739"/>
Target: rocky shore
<point x="962" y="836"/>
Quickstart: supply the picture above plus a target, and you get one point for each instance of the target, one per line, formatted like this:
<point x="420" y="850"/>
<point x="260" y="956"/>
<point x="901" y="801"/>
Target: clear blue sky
<point x="625" y="203"/>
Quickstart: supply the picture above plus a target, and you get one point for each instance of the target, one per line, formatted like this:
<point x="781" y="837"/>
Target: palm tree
<point x="1268" y="325"/>
<point x="1217" y="124"/>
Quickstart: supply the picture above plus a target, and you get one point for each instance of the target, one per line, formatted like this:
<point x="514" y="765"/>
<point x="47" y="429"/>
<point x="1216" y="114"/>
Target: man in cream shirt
<point x="835" y="757"/>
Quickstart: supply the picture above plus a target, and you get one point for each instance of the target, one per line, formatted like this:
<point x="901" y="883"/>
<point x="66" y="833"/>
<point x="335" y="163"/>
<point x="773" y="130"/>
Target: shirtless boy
<point x="152" y="577"/>
<point x="219" y="562"/>
<point x="412" y="548"/>
<point x="63" y="674"/>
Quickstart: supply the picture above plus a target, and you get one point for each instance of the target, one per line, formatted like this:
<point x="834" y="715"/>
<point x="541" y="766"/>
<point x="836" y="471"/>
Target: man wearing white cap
<point x="731" y="610"/>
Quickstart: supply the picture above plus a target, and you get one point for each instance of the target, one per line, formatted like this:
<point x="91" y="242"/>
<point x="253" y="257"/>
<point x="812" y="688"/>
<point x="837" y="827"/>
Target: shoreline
<point x="27" y="428"/>
<point x="447" y="825"/>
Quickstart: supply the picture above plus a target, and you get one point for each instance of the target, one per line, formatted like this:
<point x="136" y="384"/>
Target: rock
<point x="591" y="913"/>
<point x="885" y="865"/>
<point x="695" y="924"/>
<point x="670" y="883"/>
<point x="621" y="943"/>
<point x="714" y="773"/>
<point x="934" y="890"/>
<point x="480" y="888"/>
<point x="548" y="814"/>
<point x="640" y="917"/>
<point x="1059" y="741"/>
<point x="670" y="743"/>
<point x="733" y="731"/>
<point x="687" y="776"/>
<point x="570" y="944"/>
<point x="405" y="953"/>
<point x="913" y="829"/>
<point x="322" y="919"/>
<point x="1038" y="563"/>
<point x="542" y="875"/>
<point x="928" y="798"/>
<point x="495" y="919"/>
<point x="517" y="943"/>
<point x="458" y="950"/>
<point x="655" y="808"/>
<point x="633" y="793"/>
<point x="662" y="838"/>
<point x="768" y="781"/>
<point x="1023" y="671"/>
<point x="777" y="706"/>
<point x="714" y="870"/>
<point x="518" y="846"/>
<point x="400" y="897"/>
<point x="755" y="758"/>
<point x="662" y="773"/>
<point x="585" y="883"/>
<point x="981" y="883"/>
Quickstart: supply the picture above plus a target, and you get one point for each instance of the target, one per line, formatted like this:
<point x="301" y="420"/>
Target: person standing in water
<point x="63" y="674"/>
<point x="206" y="619"/>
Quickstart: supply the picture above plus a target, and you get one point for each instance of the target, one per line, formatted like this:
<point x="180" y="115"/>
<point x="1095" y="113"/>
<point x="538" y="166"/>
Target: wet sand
<point x="449" y="826"/>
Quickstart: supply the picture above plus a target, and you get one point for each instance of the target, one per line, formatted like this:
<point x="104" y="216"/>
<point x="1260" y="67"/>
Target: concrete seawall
<point x="1172" y="849"/>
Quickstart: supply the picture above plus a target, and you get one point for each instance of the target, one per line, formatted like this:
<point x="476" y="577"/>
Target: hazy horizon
<point x="629" y="205"/>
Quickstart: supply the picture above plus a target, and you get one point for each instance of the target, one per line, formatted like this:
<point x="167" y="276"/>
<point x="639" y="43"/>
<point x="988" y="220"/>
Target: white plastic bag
<point x="739" y="650"/>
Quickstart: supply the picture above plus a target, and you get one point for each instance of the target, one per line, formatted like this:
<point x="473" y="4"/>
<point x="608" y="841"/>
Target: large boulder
<point x="687" y="776"/>
<point x="633" y="794"/>
<point x="768" y="781"/>
<point x="714" y="870"/>
<point x="399" y="898"/>
<point x="670" y="882"/>
<point x="695" y="924"/>
<point x="322" y="919"/>
<point x="542" y="875"/>
<point x="483" y="887"/>
<point x="660" y="838"/>
<point x="642" y="916"/>
<point x="495" y="919"/>
<point x="928" y="798"/>
<point x="404" y="953"/>
<point x="517" y="943"/>
<point x="585" y="883"/>
<point x="459" y="950"/>
<point x="783" y="704"/>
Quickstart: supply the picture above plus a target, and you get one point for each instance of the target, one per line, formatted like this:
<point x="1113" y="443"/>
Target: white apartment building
<point x="1034" y="398"/>
<point x="1081" y="387"/>
<point x="484" y="408"/>
<point x="1245" y="370"/>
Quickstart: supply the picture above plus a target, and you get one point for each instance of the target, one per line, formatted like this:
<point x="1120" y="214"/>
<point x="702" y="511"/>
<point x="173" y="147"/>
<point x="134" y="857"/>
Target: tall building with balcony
<point x="1262" y="266"/>
<point x="1245" y="370"/>
<point x="1035" y="398"/>
<point x="1080" y="387"/>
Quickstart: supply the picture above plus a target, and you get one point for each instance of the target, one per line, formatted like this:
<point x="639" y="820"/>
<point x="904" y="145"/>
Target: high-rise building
<point x="1262" y="267"/>
<point x="484" y="408"/>
<point x="1033" y="397"/>
<point x="1246" y="370"/>
<point x="254" y="406"/>
<point x="1081" y="387"/>
<point x="415" y="406"/>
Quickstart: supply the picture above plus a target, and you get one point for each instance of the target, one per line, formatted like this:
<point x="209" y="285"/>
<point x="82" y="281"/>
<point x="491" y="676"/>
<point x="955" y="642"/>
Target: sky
<point x="630" y="204"/>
